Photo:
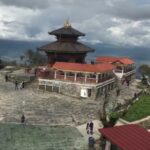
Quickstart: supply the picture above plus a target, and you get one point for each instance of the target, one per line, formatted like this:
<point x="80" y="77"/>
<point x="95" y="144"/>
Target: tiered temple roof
<point x="66" y="47"/>
<point x="66" y="41"/>
<point x="67" y="31"/>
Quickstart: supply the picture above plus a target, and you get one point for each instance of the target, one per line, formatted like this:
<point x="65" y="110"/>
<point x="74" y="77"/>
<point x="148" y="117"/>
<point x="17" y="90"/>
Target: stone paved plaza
<point x="42" y="107"/>
<point x="50" y="113"/>
<point x="50" y="108"/>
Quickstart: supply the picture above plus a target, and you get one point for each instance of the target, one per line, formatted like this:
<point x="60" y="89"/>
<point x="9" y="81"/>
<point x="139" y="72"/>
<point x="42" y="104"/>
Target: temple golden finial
<point x="67" y="24"/>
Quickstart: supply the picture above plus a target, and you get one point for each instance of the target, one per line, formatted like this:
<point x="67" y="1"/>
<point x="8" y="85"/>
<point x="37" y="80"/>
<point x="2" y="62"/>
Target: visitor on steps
<point x="87" y="127"/>
<point x="23" y="119"/>
<point x="21" y="86"/>
<point x="16" y="85"/>
<point x="6" y="77"/>
<point x="91" y="127"/>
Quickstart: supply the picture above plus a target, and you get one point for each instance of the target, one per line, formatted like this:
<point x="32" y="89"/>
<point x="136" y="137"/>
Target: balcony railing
<point x="61" y="77"/>
<point x="124" y="71"/>
<point x="118" y="70"/>
<point x="104" y="79"/>
<point x="91" y="80"/>
<point x="128" y="70"/>
<point x="81" y="80"/>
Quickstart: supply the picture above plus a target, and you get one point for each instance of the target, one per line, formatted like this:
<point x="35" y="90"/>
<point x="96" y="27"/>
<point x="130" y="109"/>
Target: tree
<point x="109" y="120"/>
<point x="1" y="64"/>
<point x="34" y="58"/>
<point x="144" y="70"/>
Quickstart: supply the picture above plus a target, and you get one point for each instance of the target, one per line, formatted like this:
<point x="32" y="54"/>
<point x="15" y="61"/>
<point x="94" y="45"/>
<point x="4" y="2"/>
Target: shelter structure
<point x="126" y="137"/>
<point x="125" y="67"/>
<point x="79" y="80"/>
<point x="66" y="48"/>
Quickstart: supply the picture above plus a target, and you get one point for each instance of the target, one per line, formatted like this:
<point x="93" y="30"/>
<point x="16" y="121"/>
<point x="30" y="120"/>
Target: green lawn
<point x="20" y="137"/>
<point x="139" y="109"/>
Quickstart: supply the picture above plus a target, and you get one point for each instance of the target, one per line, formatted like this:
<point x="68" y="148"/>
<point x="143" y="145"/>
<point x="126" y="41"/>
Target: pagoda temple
<point x="66" y="48"/>
<point x="67" y="72"/>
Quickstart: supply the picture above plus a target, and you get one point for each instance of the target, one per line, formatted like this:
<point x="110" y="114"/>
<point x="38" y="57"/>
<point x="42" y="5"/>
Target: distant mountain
<point x="140" y="55"/>
<point x="10" y="48"/>
<point x="13" y="49"/>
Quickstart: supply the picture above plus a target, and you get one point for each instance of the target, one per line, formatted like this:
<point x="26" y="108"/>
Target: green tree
<point x="1" y="64"/>
<point x="34" y="58"/>
<point x="109" y="120"/>
<point x="144" y="70"/>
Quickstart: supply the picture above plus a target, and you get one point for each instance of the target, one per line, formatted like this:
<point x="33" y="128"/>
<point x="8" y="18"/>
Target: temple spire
<point x="67" y="24"/>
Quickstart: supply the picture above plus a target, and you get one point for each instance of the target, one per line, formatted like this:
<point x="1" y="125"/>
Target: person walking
<point x="87" y="127"/>
<point x="23" y="84"/>
<point x="22" y="119"/>
<point x="6" y="77"/>
<point x="16" y="85"/>
<point x="91" y="127"/>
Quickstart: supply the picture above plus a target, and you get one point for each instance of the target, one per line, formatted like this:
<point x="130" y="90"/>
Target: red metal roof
<point x="128" y="137"/>
<point x="111" y="59"/>
<point x="83" y="67"/>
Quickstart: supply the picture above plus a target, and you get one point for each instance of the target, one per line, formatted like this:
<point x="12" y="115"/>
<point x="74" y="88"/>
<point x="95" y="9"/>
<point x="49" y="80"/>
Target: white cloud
<point x="103" y="21"/>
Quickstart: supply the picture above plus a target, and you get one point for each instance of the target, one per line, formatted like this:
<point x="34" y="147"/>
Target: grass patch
<point x="139" y="109"/>
<point x="21" y="137"/>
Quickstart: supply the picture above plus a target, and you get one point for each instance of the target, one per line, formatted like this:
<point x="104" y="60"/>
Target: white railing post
<point x="85" y="79"/>
<point x="65" y="75"/>
<point x="75" y="76"/>
<point x="55" y="76"/>
<point x="97" y="78"/>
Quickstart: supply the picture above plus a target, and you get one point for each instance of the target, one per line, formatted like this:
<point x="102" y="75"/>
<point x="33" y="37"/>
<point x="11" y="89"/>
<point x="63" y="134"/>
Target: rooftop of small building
<point x="128" y="137"/>
<point x="113" y="59"/>
<point x="78" y="67"/>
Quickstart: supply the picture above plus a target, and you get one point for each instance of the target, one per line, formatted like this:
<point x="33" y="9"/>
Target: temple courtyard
<point x="46" y="108"/>
<point x="42" y="107"/>
<point x="53" y="121"/>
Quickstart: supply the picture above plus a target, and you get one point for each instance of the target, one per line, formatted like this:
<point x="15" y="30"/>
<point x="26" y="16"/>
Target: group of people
<point x="89" y="127"/>
<point x="19" y="85"/>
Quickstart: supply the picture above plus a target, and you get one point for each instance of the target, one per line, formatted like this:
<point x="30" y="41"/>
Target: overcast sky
<point x="119" y="22"/>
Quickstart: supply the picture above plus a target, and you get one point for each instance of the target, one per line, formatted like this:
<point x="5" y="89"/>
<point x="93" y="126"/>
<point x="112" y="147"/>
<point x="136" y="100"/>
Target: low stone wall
<point x="23" y="77"/>
<point x="67" y="88"/>
<point x="70" y="89"/>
